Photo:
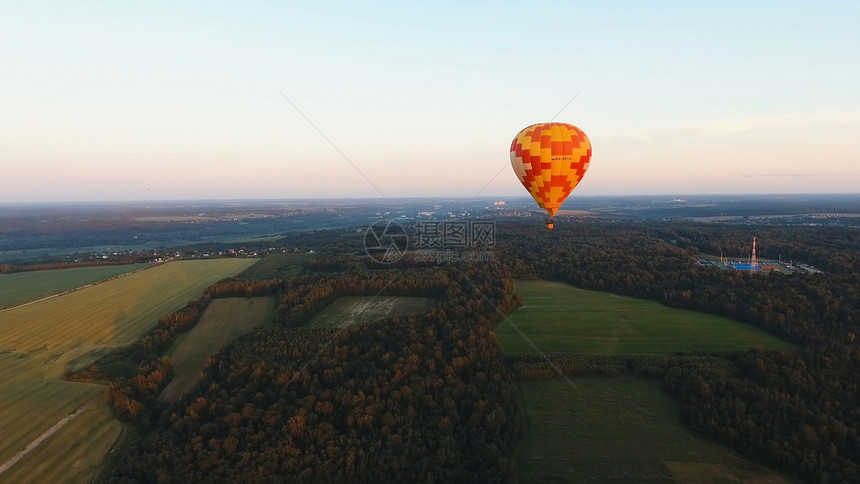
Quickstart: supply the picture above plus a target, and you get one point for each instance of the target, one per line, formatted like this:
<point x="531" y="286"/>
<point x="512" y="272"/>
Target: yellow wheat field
<point x="40" y="341"/>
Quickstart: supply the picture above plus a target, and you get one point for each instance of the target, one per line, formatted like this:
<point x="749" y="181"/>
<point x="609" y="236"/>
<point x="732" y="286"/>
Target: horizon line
<point x="428" y="197"/>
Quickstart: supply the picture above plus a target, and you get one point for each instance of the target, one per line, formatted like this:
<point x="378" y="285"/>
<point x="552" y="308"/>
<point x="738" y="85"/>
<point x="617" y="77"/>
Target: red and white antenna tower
<point x="753" y="259"/>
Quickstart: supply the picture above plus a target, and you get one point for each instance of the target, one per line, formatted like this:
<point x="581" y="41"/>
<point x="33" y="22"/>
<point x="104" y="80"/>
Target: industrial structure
<point x="752" y="264"/>
<point x="753" y="260"/>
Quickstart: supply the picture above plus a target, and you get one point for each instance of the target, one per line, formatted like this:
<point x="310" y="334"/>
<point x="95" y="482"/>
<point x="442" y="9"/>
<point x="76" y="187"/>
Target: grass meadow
<point x="23" y="287"/>
<point x="223" y="321"/>
<point x="277" y="265"/>
<point x="618" y="430"/>
<point x="350" y="310"/>
<point x="559" y="318"/>
<point x="39" y="341"/>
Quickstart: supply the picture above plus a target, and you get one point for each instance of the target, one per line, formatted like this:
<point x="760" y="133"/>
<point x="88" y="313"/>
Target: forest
<point x="430" y="397"/>
<point x="405" y="399"/>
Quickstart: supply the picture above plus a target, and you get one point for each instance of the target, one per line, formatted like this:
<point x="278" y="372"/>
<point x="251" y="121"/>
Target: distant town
<point x="241" y="228"/>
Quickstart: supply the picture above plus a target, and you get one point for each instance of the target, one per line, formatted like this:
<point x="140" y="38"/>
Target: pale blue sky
<point x="152" y="100"/>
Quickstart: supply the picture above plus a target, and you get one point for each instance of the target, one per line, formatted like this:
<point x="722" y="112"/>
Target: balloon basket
<point x="549" y="225"/>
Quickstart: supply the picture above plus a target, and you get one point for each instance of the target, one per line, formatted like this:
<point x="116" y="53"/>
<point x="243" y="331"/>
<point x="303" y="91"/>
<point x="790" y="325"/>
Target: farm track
<point x="58" y="459"/>
<point x="39" y="341"/>
<point x="6" y="465"/>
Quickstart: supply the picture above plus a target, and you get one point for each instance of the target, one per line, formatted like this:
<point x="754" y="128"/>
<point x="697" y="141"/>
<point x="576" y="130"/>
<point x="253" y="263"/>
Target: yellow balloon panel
<point x="550" y="159"/>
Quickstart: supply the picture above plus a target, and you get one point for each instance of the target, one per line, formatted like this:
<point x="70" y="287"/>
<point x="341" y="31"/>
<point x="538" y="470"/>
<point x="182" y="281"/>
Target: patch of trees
<point x="137" y="374"/>
<point x="147" y="348"/>
<point x="795" y="412"/>
<point x="540" y="367"/>
<point x="333" y="263"/>
<point x="236" y="287"/>
<point x="132" y="399"/>
<point x="408" y="399"/>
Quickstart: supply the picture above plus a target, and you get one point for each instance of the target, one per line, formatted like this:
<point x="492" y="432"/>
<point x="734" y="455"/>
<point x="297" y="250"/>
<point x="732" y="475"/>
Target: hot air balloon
<point x="550" y="159"/>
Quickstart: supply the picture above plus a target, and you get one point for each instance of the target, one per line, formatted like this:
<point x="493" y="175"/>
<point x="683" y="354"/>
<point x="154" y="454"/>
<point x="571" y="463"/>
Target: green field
<point x="559" y="318"/>
<point x="38" y="342"/>
<point x="618" y="430"/>
<point x="22" y="287"/>
<point x="277" y="265"/>
<point x="223" y="321"/>
<point x="351" y="310"/>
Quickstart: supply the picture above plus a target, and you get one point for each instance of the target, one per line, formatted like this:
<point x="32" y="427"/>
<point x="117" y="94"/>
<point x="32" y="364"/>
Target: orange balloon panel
<point x="550" y="159"/>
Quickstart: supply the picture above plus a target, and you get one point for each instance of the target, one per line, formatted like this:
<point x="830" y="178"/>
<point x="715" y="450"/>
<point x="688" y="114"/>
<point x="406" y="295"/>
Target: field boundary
<point x="69" y="291"/>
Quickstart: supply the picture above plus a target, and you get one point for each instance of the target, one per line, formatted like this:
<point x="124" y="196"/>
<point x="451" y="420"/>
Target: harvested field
<point x="348" y="311"/>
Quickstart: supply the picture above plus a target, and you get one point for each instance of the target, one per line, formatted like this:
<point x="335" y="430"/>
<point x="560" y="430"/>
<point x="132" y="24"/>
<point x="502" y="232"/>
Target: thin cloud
<point x="751" y="124"/>
<point x="788" y="175"/>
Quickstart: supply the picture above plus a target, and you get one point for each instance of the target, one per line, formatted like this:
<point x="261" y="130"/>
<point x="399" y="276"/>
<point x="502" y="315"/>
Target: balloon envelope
<point x="550" y="159"/>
